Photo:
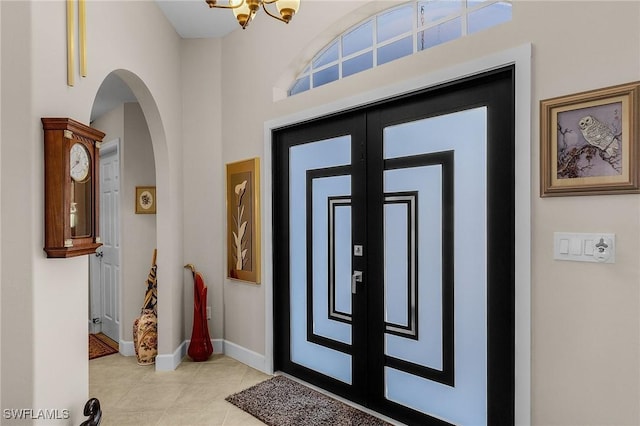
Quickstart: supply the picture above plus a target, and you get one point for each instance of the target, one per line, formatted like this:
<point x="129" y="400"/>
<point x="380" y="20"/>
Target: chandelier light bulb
<point x="241" y="11"/>
<point x="288" y="8"/>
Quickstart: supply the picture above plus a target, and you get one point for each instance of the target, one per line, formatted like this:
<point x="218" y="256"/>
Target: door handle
<point x="355" y="278"/>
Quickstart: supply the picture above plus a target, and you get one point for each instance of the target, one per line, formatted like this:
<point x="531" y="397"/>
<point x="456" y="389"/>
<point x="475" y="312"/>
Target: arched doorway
<point x="121" y="109"/>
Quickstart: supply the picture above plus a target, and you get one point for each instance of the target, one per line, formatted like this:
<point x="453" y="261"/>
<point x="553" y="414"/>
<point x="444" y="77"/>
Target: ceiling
<point x="112" y="93"/>
<point x="194" y="18"/>
<point x="191" y="19"/>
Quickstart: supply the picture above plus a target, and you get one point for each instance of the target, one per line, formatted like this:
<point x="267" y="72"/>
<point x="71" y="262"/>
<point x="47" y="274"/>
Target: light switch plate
<point x="582" y="247"/>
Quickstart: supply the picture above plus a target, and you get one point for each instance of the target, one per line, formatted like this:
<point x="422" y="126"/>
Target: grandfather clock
<point x="71" y="187"/>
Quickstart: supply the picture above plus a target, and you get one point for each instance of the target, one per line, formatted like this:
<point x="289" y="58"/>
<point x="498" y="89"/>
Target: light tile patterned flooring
<point x="193" y="394"/>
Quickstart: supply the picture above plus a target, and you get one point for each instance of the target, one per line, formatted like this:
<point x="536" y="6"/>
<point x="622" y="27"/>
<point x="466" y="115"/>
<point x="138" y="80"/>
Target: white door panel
<point x="106" y="263"/>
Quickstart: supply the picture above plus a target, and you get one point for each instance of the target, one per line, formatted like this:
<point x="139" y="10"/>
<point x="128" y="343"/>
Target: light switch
<point x="588" y="247"/>
<point x="576" y="247"/>
<point x="564" y="246"/>
<point x="582" y="247"/>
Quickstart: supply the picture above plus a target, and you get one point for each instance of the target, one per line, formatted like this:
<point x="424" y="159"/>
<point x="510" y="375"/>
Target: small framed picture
<point x="145" y="199"/>
<point x="589" y="142"/>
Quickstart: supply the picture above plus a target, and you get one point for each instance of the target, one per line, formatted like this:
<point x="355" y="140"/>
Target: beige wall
<point x="44" y="359"/>
<point x="17" y="347"/>
<point x="585" y="317"/>
<point x="203" y="176"/>
<point x="0" y="206"/>
<point x="137" y="231"/>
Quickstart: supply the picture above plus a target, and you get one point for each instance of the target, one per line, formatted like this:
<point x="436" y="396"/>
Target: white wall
<point x="44" y="353"/>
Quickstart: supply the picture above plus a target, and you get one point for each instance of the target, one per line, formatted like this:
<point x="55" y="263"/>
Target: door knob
<point x="355" y="278"/>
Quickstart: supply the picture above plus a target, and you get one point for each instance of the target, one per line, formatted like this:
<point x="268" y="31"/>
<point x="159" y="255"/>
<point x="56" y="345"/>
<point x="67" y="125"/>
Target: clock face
<point x="146" y="200"/>
<point x="79" y="162"/>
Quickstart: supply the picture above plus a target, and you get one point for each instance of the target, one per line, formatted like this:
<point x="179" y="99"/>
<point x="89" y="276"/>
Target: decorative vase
<point x="145" y="327"/>
<point x="200" y="348"/>
<point x="145" y="337"/>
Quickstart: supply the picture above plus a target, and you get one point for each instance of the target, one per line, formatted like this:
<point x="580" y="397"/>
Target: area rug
<point x="281" y="401"/>
<point x="101" y="345"/>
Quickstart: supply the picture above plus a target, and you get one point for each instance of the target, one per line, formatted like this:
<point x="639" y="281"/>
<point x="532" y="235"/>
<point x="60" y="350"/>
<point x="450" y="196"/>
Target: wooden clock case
<point x="71" y="208"/>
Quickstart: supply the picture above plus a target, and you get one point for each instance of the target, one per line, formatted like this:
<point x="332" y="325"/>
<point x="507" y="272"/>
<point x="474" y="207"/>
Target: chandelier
<point x="245" y="10"/>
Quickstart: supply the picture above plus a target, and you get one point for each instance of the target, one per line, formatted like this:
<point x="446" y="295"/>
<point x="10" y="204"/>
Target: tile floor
<point x="192" y="395"/>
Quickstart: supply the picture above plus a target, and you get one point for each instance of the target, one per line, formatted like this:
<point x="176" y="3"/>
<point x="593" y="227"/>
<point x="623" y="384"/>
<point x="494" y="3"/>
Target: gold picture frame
<point x="589" y="142"/>
<point x="146" y="200"/>
<point x="243" y="220"/>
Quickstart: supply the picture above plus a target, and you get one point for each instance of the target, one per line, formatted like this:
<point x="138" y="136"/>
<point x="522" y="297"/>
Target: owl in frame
<point x="598" y="134"/>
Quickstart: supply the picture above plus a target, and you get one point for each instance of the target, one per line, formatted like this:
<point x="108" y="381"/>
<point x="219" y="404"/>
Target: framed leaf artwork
<point x="243" y="220"/>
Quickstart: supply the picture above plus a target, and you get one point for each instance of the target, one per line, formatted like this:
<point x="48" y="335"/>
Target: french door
<point x="394" y="253"/>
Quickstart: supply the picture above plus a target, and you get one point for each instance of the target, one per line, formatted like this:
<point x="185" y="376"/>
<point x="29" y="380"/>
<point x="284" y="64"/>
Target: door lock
<point x="355" y="278"/>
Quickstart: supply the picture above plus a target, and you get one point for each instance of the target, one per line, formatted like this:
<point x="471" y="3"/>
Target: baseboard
<point x="93" y="328"/>
<point x="218" y="346"/>
<point x="126" y="348"/>
<point x="245" y="356"/>
<point x="170" y="362"/>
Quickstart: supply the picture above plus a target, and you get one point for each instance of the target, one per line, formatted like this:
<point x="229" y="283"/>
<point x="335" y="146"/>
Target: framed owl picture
<point x="590" y="142"/>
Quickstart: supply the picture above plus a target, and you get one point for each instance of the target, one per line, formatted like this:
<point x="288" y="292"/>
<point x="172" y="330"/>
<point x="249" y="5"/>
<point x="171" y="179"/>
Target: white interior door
<point x="105" y="264"/>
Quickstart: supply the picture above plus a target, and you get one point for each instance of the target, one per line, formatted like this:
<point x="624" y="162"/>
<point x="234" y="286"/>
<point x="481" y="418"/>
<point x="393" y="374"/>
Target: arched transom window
<point x="398" y="32"/>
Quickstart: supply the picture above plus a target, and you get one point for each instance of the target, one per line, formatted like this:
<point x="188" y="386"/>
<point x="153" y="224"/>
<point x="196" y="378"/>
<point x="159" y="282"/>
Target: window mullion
<point x="358" y="53"/>
<point x="374" y="28"/>
<point x="414" y="26"/>
<point x="464" y="20"/>
<point x="340" y="47"/>
<point x="394" y="39"/>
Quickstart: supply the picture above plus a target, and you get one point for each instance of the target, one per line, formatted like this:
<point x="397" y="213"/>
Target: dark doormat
<point x="281" y="401"/>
